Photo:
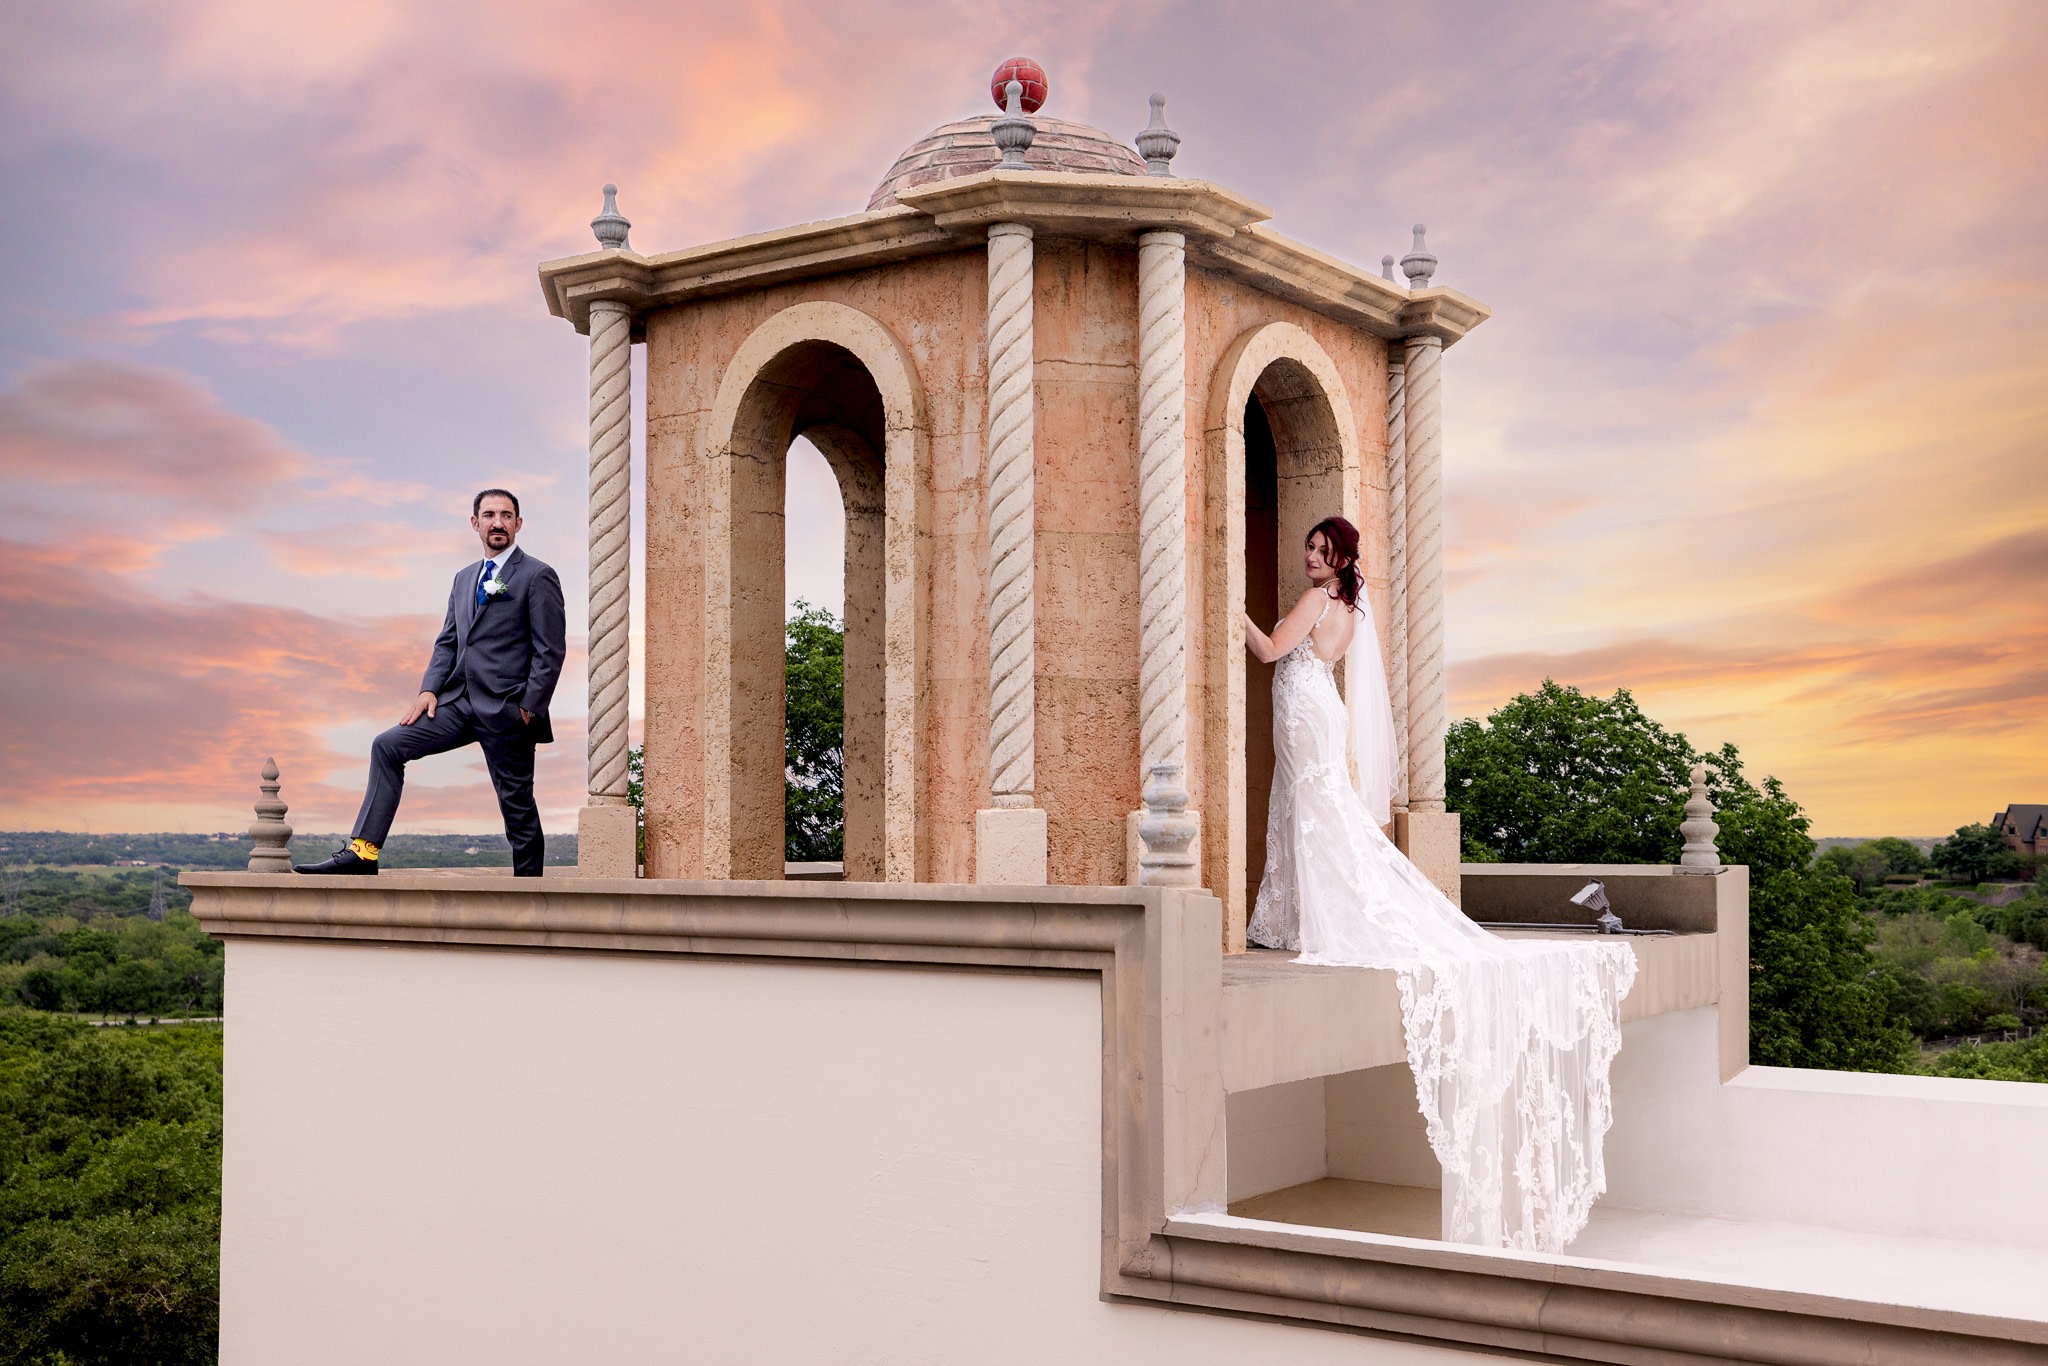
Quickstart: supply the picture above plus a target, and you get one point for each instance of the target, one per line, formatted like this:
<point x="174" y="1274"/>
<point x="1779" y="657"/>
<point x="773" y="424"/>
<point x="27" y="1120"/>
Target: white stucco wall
<point x="453" y="1155"/>
<point x="1935" y="1157"/>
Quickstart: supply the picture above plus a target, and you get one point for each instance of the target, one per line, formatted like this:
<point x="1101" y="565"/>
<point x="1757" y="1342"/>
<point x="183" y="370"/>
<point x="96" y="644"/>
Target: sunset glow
<point x="1758" y="428"/>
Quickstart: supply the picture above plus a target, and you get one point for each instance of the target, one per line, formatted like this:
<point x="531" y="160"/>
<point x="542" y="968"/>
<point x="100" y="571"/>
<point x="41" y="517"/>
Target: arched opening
<point x="821" y="392"/>
<point x="814" y="712"/>
<point x="1293" y="478"/>
<point x="1283" y="454"/>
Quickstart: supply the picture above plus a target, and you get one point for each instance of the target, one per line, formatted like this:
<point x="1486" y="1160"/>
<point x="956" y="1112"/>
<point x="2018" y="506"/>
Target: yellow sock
<point x="363" y="849"/>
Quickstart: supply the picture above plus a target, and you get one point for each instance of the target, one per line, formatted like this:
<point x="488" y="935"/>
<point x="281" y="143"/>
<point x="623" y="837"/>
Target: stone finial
<point x="1418" y="265"/>
<point x="1158" y="143"/>
<point x="611" y="225"/>
<point x="1167" y="832"/>
<point x="1387" y="267"/>
<point x="270" y="837"/>
<point x="1699" y="828"/>
<point x="1014" y="131"/>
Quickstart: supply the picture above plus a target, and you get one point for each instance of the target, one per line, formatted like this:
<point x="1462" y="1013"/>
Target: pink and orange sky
<point x="1759" y="428"/>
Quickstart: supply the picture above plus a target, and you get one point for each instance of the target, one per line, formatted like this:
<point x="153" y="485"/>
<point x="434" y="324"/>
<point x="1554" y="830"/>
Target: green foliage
<point x="1900" y="856"/>
<point x="119" y="962"/>
<point x="2022" y="1061"/>
<point x="110" y="1143"/>
<point x="2024" y="921"/>
<point x="814" y="805"/>
<point x="1950" y="974"/>
<point x="636" y="796"/>
<point x="1864" y="865"/>
<point x="1974" y="853"/>
<point x="1557" y="776"/>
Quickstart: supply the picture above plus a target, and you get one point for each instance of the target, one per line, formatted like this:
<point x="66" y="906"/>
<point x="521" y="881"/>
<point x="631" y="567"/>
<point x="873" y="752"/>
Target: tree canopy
<point x="1560" y="776"/>
<point x="1974" y="853"/>
<point x="110" y="1143"/>
<point x="1557" y="776"/>
<point x="814" y="791"/>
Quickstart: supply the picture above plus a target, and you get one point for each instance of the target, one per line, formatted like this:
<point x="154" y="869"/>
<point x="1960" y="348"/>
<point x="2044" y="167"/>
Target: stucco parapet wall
<point x="1226" y="232"/>
<point x="1157" y="955"/>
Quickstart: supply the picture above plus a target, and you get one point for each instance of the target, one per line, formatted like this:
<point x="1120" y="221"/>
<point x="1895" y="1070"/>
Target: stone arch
<point x="1305" y="406"/>
<point x="839" y="377"/>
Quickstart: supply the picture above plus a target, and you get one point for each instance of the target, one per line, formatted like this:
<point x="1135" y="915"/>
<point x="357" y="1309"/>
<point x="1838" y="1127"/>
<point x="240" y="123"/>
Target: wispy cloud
<point x="1755" y="430"/>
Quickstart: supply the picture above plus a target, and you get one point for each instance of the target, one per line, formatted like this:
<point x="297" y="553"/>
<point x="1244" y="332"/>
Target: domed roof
<point x="965" y="147"/>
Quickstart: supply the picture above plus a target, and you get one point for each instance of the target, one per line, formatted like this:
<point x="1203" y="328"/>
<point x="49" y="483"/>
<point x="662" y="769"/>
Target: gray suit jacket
<point x="506" y="654"/>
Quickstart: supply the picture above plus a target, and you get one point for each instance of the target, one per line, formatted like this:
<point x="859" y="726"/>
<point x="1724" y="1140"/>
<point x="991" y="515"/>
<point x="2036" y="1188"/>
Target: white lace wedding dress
<point x="1510" y="1040"/>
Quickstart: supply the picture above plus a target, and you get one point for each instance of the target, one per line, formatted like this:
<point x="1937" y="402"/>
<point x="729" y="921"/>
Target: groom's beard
<point x="498" y="540"/>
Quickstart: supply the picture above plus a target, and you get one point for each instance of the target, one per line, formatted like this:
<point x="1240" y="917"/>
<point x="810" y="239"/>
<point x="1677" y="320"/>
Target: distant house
<point x="2025" y="828"/>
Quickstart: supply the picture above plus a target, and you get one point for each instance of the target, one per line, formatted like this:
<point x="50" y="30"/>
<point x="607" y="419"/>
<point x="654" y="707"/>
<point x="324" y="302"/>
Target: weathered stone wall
<point x="1087" y="420"/>
<point x="933" y="307"/>
<point x="1086" y="397"/>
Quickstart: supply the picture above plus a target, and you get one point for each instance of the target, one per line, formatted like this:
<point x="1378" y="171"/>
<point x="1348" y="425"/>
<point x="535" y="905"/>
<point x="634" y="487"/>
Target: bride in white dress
<point x="1510" y="1040"/>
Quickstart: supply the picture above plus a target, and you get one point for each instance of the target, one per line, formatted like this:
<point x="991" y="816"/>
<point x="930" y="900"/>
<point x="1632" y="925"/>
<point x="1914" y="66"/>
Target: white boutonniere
<point x="494" y="587"/>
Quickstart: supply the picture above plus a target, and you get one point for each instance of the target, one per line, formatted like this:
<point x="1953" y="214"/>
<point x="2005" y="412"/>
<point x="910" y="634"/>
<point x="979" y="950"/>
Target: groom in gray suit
<point x="491" y="677"/>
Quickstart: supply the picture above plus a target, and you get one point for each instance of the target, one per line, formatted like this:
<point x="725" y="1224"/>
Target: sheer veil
<point x="1510" y="1041"/>
<point x="1372" y="716"/>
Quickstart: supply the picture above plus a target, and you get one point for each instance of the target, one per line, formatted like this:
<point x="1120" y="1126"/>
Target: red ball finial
<point x="1026" y="73"/>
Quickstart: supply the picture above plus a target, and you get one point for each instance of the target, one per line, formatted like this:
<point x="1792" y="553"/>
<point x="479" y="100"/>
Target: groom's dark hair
<point x="476" y="504"/>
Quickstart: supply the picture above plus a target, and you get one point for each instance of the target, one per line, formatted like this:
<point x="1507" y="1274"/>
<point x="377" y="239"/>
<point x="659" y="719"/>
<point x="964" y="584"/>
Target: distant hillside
<point x="230" y="849"/>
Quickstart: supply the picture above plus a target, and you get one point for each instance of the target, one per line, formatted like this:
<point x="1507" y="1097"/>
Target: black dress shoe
<point x="343" y="862"/>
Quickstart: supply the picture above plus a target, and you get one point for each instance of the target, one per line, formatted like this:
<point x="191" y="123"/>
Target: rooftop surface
<point x="1996" y="1279"/>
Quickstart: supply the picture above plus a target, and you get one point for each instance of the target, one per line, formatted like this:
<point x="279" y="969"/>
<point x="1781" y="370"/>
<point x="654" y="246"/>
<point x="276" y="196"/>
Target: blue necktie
<point x="490" y="567"/>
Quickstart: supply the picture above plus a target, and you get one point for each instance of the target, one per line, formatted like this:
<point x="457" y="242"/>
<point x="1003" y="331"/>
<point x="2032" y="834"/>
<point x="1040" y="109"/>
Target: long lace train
<point x="1510" y="1041"/>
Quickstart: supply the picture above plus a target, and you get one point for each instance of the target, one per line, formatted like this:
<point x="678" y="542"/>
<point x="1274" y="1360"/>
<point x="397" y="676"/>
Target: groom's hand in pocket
<point x="423" y="705"/>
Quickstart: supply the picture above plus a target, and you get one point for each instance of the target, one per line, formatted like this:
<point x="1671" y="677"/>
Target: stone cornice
<point x="1102" y="207"/>
<point x="571" y="284"/>
<point x="1226" y="232"/>
<point x="1155" y="953"/>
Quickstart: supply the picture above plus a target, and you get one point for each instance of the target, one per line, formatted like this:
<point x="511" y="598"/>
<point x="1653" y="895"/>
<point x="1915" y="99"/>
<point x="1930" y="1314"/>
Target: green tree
<point x="1558" y="776"/>
<point x="110" y="1143"/>
<point x="1816" y="995"/>
<point x="1971" y="853"/>
<point x="814" y="804"/>
<point x="1900" y="856"/>
<point x="1864" y="865"/>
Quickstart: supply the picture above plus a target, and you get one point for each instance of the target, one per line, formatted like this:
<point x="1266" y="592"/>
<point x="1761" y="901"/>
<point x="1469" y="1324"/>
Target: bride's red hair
<point x="1342" y="539"/>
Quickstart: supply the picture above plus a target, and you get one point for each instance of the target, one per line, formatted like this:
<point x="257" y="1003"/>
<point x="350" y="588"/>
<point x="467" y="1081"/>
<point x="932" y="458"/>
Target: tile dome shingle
<point x="965" y="147"/>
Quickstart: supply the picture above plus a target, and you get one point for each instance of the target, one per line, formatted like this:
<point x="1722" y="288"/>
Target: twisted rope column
<point x="611" y="427"/>
<point x="1397" y="562"/>
<point x="1166" y="831"/>
<point x="1162" y="499"/>
<point x="1423" y="408"/>
<point x="1012" y="655"/>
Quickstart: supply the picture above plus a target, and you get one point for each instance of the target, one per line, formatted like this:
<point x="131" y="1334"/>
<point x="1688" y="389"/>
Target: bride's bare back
<point x="1309" y="618"/>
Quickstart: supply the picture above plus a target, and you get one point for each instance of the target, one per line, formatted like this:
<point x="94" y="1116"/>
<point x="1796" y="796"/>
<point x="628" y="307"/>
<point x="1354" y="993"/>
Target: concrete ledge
<point x="1561" y="1308"/>
<point x="1156" y="953"/>
<point x="1284" y="1021"/>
